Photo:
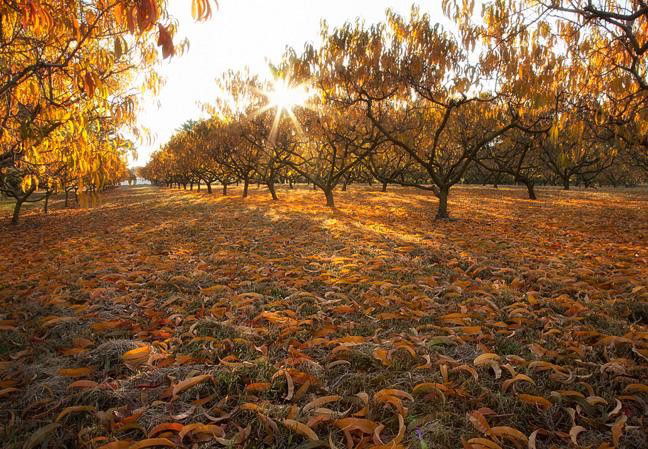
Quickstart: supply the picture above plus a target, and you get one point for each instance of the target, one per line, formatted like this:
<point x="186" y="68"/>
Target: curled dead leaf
<point x="301" y="429"/>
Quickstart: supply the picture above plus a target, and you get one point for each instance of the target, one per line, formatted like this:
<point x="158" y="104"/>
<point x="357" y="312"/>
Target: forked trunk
<point x="209" y="190"/>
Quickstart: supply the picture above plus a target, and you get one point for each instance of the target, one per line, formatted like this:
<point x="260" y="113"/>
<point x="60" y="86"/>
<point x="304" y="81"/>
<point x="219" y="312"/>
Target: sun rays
<point x="283" y="96"/>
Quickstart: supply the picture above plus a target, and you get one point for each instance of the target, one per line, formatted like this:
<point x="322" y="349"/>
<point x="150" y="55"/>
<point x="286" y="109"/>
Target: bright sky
<point x="244" y="33"/>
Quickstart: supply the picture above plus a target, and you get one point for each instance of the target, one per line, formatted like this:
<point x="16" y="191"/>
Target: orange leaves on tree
<point x="201" y="9"/>
<point x="147" y="13"/>
<point x="165" y="41"/>
<point x="36" y="16"/>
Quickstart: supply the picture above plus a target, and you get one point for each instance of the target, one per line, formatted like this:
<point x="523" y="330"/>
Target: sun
<point x="285" y="96"/>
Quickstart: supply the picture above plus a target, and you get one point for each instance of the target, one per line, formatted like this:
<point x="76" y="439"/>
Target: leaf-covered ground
<point x="177" y="319"/>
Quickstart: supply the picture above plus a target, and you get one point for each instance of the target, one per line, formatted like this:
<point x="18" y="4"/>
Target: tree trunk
<point x="531" y="189"/>
<point x="209" y="187"/>
<point x="16" y="212"/>
<point x="199" y="186"/>
<point x="384" y="186"/>
<point x="224" y="189"/>
<point x="290" y="184"/>
<point x="191" y="185"/>
<point x="246" y="184"/>
<point x="66" y="198"/>
<point x="566" y="183"/>
<point x="442" y="211"/>
<point x="273" y="192"/>
<point x="45" y="207"/>
<point x="330" y="202"/>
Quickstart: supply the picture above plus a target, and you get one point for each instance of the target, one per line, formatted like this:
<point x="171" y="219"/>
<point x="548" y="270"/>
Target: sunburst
<point x="283" y="96"/>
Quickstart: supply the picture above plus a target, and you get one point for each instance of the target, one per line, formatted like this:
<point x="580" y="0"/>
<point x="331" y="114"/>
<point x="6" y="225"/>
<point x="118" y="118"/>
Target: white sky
<point x="244" y="33"/>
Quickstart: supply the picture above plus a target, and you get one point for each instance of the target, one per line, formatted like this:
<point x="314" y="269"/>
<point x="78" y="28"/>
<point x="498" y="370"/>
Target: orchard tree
<point x="605" y="41"/>
<point x="417" y="86"/>
<point x="517" y="155"/>
<point x="63" y="63"/>
<point x="333" y="142"/>
<point x="388" y="165"/>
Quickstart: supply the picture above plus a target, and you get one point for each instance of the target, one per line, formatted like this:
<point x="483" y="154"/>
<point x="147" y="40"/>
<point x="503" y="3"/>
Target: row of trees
<point x="557" y="99"/>
<point x="70" y="74"/>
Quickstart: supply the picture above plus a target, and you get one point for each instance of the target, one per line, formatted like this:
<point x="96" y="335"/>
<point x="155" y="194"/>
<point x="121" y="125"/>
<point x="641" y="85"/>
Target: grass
<point x="350" y="301"/>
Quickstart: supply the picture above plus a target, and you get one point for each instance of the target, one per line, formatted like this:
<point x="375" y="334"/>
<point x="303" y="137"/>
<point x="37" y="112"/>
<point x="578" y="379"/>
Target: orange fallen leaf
<point x="258" y="386"/>
<point x="188" y="383"/>
<point x="75" y="372"/>
<point x="535" y="400"/>
<point x="349" y="424"/>
<point x="137" y="356"/>
<point x="152" y="442"/>
<point x="301" y="429"/>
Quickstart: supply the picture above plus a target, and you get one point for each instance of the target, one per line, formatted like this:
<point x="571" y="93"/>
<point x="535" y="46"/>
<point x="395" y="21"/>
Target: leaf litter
<point x="176" y="319"/>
